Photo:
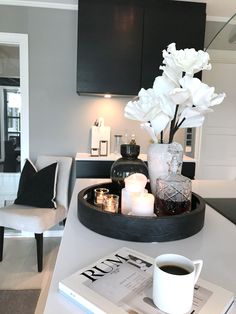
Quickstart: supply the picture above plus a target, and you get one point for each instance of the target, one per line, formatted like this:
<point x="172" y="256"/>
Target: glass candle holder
<point x="111" y="203"/>
<point x="99" y="194"/>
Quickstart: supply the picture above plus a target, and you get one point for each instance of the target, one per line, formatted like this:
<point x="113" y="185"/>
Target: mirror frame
<point x="21" y="40"/>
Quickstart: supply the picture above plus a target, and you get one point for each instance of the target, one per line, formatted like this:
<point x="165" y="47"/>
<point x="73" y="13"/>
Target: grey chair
<point x="38" y="220"/>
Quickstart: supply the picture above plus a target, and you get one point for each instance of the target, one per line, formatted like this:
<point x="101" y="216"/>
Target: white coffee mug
<point x="174" y="277"/>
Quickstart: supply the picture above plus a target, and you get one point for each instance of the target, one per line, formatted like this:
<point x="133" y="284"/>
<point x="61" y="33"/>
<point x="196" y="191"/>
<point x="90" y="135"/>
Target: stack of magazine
<point x="122" y="283"/>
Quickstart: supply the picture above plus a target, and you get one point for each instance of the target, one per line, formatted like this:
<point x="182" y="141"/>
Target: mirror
<point x="15" y="83"/>
<point x="10" y="109"/>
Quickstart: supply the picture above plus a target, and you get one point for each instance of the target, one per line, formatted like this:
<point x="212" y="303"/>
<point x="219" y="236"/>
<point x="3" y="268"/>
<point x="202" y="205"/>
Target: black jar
<point x="128" y="164"/>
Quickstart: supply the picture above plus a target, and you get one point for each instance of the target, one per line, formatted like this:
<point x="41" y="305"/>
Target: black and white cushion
<point x="37" y="188"/>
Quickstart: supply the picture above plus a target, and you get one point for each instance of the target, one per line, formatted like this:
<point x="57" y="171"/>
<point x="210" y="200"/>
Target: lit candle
<point x="99" y="194"/>
<point x="143" y="204"/>
<point x="111" y="203"/>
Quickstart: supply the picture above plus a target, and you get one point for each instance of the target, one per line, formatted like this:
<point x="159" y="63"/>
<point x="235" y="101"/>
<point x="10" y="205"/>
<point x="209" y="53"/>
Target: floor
<point x="18" y="270"/>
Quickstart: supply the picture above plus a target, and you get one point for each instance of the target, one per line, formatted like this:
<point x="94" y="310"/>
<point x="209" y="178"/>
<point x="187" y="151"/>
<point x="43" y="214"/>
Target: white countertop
<point x="215" y="244"/>
<point x="113" y="157"/>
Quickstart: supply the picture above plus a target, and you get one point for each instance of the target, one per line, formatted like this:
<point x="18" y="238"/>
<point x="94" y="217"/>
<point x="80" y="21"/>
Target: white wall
<point x="218" y="149"/>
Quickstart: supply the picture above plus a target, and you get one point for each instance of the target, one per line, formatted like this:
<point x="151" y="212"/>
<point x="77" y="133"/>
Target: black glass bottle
<point x="128" y="164"/>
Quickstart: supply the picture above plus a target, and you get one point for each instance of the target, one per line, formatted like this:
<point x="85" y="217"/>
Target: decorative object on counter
<point x="127" y="164"/>
<point x="111" y="203"/>
<point x="173" y="193"/>
<point x="100" y="138"/>
<point x="99" y="194"/>
<point x="177" y="98"/>
<point x="103" y="148"/>
<point x="134" y="185"/>
<point x="94" y="152"/>
<point x="118" y="142"/>
<point x="133" y="141"/>
<point x="142" y="204"/>
<point x="126" y="137"/>
<point x="139" y="228"/>
<point x="159" y="157"/>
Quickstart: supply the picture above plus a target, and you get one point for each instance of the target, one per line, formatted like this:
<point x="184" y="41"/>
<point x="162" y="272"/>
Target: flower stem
<point x="172" y="125"/>
<point x="161" y="137"/>
<point x="176" y="127"/>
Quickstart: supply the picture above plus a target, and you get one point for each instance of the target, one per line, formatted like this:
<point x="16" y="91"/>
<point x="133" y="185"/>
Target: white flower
<point x="192" y="118"/>
<point x="148" y="108"/>
<point x="177" y="99"/>
<point x="189" y="61"/>
<point x="145" y="108"/>
<point x="201" y="94"/>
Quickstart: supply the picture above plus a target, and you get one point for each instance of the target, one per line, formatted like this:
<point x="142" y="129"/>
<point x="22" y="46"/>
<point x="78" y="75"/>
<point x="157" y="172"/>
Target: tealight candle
<point x="143" y="204"/>
<point x="99" y="194"/>
<point x="111" y="203"/>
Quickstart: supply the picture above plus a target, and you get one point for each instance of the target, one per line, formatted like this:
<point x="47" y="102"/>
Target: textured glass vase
<point x="128" y="164"/>
<point x="159" y="157"/>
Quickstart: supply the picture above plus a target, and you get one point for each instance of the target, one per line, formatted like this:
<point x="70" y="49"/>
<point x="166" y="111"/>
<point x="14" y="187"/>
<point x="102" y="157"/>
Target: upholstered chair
<point x="37" y="219"/>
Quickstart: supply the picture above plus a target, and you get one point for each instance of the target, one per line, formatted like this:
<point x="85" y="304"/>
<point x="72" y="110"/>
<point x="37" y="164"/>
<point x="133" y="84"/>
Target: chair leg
<point x="39" y="244"/>
<point x="1" y="242"/>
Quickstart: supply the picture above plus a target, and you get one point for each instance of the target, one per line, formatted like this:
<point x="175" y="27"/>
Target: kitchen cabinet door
<point x="166" y="22"/>
<point x="109" y="46"/>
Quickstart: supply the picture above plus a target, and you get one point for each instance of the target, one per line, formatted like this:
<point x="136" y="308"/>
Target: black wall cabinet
<point x="120" y="42"/>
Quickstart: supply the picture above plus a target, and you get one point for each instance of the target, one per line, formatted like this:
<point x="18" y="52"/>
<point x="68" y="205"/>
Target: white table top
<point x="215" y="244"/>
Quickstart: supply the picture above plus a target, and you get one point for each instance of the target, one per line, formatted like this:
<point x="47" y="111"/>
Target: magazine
<point x="122" y="283"/>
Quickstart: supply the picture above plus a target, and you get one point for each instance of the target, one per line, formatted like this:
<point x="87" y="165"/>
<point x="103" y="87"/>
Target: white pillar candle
<point x="135" y="182"/>
<point x="143" y="204"/>
<point x="126" y="200"/>
<point x="134" y="185"/>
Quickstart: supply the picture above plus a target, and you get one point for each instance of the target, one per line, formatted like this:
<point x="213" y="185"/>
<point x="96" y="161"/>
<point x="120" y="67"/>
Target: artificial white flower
<point x="145" y="108"/>
<point x="147" y="127"/>
<point x="177" y="99"/>
<point x="192" y="118"/>
<point x="201" y="94"/>
<point x="189" y="61"/>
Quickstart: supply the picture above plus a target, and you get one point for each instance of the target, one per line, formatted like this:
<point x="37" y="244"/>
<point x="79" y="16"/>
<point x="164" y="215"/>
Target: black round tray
<point x="139" y="228"/>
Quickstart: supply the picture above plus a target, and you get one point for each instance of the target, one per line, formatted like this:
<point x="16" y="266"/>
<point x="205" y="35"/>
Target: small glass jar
<point x="118" y="142"/>
<point x="128" y="164"/>
<point x="173" y="193"/>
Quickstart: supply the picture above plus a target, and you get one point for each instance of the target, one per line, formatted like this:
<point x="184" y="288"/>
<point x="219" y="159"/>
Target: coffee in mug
<point x="174" y="277"/>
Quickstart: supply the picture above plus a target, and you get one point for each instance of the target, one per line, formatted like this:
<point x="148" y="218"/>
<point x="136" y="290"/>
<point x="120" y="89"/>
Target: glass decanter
<point x="173" y="193"/>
